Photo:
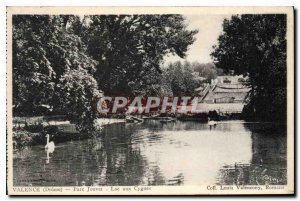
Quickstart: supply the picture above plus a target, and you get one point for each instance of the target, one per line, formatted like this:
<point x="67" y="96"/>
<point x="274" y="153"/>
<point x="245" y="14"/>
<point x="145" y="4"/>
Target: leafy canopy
<point x="255" y="46"/>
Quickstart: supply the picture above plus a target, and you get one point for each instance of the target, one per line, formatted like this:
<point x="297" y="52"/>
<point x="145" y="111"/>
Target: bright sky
<point x="209" y="27"/>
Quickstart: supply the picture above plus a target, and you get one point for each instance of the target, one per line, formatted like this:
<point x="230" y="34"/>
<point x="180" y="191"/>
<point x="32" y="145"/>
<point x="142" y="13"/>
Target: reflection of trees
<point x="155" y="125"/>
<point x="121" y="163"/>
<point x="118" y="163"/>
<point x="113" y="159"/>
<point x="269" y="158"/>
<point x="269" y="149"/>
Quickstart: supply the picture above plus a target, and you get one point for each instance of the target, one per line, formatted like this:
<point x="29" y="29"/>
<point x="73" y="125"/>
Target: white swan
<point x="212" y="123"/>
<point x="50" y="146"/>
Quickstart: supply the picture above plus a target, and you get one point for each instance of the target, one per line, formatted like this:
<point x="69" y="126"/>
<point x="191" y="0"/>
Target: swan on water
<point x="212" y="123"/>
<point x="50" y="146"/>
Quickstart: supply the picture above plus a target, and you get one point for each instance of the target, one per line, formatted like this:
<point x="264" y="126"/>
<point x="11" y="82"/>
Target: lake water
<point x="155" y="153"/>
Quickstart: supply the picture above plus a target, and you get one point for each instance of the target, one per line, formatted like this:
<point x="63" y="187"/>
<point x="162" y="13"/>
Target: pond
<point x="156" y="153"/>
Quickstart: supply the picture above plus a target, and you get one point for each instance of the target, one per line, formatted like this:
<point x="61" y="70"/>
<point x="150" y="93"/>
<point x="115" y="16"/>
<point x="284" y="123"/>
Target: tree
<point x="255" y="46"/>
<point x="130" y="47"/>
<point x="44" y="49"/>
<point x="123" y="53"/>
<point x="32" y="71"/>
<point x="207" y="70"/>
<point x="153" y="84"/>
<point x="182" y="79"/>
<point x="78" y="95"/>
<point x="51" y="67"/>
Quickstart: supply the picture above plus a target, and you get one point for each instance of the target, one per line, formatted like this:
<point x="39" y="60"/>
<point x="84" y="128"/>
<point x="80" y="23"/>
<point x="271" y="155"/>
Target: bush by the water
<point x="40" y="128"/>
<point x="21" y="138"/>
<point x="36" y="135"/>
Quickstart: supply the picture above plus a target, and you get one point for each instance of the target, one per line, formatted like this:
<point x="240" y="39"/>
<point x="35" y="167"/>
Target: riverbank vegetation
<point x="36" y="134"/>
<point x="184" y="77"/>
<point x="255" y="46"/>
<point x="62" y="63"/>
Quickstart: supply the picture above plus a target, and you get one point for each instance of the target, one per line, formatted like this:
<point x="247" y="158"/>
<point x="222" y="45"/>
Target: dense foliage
<point x="130" y="49"/>
<point x="61" y="63"/>
<point x="208" y="71"/>
<point x="78" y="96"/>
<point x="44" y="50"/>
<point x="255" y="46"/>
<point x="182" y="78"/>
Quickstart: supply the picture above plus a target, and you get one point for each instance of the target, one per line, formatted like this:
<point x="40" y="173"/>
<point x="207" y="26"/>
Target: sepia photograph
<point x="150" y="101"/>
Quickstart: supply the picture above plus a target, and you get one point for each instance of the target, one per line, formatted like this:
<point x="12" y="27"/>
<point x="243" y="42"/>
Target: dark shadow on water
<point x="269" y="158"/>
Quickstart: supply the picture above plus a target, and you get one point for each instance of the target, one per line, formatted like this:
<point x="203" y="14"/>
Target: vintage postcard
<point x="150" y="100"/>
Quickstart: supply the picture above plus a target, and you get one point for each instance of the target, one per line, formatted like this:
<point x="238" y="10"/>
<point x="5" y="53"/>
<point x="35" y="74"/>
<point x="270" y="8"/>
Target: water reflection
<point x="268" y="163"/>
<point x="152" y="153"/>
